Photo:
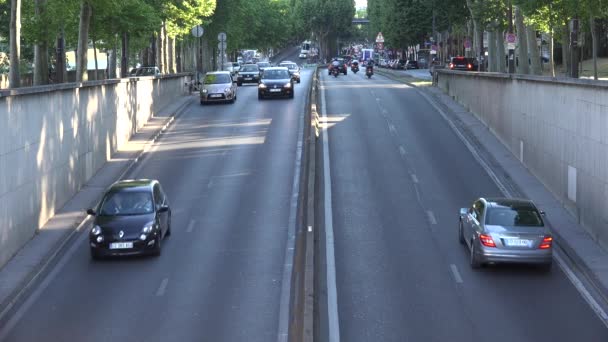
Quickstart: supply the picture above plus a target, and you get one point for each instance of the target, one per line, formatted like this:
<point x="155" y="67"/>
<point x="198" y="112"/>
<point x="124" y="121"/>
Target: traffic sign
<point x="467" y="43"/>
<point x="511" y="37"/>
<point x="197" y="31"/>
<point x="379" y="38"/>
<point x="221" y="36"/>
<point x="221" y="45"/>
<point x="380" y="46"/>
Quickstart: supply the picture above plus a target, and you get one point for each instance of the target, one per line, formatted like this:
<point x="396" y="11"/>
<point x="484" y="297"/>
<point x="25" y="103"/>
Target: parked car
<point x="218" y="86"/>
<point x="411" y="64"/>
<point x="249" y="73"/>
<point x="504" y="230"/>
<point x="275" y="81"/>
<point x="133" y="217"/>
<point x="144" y="71"/>
<point x="463" y="63"/>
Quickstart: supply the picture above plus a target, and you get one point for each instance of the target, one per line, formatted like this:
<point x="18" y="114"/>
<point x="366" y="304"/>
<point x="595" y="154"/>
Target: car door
<point x="472" y="222"/>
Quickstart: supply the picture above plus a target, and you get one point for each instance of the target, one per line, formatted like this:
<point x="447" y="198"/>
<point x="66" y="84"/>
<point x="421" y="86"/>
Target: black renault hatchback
<point x="275" y="81"/>
<point x="132" y="218"/>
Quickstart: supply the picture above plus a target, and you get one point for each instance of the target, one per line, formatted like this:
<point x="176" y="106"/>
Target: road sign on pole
<point x="379" y="38"/>
<point x="221" y="45"/>
<point x="221" y="36"/>
<point x="197" y="31"/>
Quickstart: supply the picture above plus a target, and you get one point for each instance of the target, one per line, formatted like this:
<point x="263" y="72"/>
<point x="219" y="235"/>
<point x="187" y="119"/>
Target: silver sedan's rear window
<point x="504" y="216"/>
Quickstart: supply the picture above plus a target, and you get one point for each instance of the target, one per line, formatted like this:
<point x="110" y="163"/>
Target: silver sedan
<point x="503" y="230"/>
<point x="218" y="86"/>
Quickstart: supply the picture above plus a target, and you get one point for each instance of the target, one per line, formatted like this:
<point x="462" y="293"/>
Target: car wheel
<point x="168" y="233"/>
<point x="474" y="260"/>
<point x="298" y="80"/>
<point x="202" y="102"/>
<point x="95" y="255"/>
<point x="260" y="97"/>
<point x="546" y="267"/>
<point x="158" y="247"/>
<point x="291" y="95"/>
<point x="460" y="234"/>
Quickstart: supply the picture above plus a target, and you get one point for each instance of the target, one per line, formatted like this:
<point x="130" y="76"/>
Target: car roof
<point x="495" y="202"/>
<point x="218" y="72"/>
<point x="133" y="185"/>
<point x="276" y="68"/>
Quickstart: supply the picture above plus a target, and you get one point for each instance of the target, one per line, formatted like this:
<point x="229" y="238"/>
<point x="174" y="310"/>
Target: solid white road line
<point x="431" y="217"/>
<point x="392" y="128"/>
<point x="163" y="286"/>
<point x="402" y="151"/>
<point x="456" y="274"/>
<point x="190" y="226"/>
<point x="414" y="178"/>
<point x="284" y="305"/>
<point x="332" y="292"/>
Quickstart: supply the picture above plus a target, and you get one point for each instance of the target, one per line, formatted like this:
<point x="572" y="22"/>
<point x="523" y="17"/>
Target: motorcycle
<point x="369" y="71"/>
<point x="335" y="71"/>
<point x="354" y="67"/>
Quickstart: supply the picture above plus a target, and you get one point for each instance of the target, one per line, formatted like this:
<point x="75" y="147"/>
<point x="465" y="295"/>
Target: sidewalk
<point x="588" y="259"/>
<point x="24" y="270"/>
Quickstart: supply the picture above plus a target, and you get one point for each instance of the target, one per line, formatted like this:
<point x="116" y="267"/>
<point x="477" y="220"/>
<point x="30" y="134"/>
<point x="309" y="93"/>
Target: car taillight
<point x="486" y="240"/>
<point x="451" y="65"/>
<point x="546" y="243"/>
<point x="469" y="66"/>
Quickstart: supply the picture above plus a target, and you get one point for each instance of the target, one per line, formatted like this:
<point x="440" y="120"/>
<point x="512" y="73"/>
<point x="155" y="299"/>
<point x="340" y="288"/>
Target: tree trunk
<point x="492" y="51"/>
<point x="41" y="60"/>
<point x="534" y="53"/>
<point x="172" y="53"/>
<point x="15" y="45"/>
<point x="566" y="49"/>
<point x="124" y="58"/>
<point x="60" y="70"/>
<point x="159" y="49"/>
<point x="523" y="66"/>
<point x="95" y="59"/>
<point x="594" y="45"/>
<point x="83" y="40"/>
<point x="178" y="55"/>
<point x="501" y="61"/>
<point x="551" y="55"/>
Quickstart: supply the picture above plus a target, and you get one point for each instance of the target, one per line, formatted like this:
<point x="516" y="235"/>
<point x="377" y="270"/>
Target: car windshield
<point x="249" y="68"/>
<point x="263" y="64"/>
<point x="146" y="72"/>
<point x="227" y="65"/>
<point x="217" y="79"/>
<point x="276" y="74"/>
<point x="290" y="66"/>
<point x="514" y="216"/>
<point x="236" y="65"/>
<point x="119" y="203"/>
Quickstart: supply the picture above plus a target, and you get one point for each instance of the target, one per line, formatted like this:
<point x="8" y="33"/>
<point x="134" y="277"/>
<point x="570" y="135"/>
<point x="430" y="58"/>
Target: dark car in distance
<point x="343" y="68"/>
<point x="133" y="217"/>
<point x="463" y="64"/>
<point x="249" y="73"/>
<point x="275" y="81"/>
<point x="411" y="64"/>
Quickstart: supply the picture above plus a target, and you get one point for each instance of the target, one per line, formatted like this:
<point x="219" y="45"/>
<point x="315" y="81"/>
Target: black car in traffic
<point x="463" y="64"/>
<point x="294" y="70"/>
<point x="133" y="217"/>
<point x="249" y="73"/>
<point x="275" y="82"/>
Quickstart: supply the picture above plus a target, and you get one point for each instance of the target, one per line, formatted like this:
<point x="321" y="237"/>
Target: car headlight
<point x="148" y="227"/>
<point x="204" y="90"/>
<point x="287" y="85"/>
<point x="227" y="90"/>
<point x="262" y="85"/>
<point x="96" y="230"/>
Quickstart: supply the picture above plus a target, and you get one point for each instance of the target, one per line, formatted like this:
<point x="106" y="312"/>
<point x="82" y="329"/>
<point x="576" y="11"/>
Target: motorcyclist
<point x="335" y="63"/>
<point x="370" y="66"/>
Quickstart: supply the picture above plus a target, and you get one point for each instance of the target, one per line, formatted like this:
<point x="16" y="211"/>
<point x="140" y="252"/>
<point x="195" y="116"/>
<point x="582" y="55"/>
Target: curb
<point x="573" y="258"/>
<point x="58" y="248"/>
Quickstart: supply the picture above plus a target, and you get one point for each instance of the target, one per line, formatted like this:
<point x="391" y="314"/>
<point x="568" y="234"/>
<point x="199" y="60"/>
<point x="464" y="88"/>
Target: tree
<point x="15" y="45"/>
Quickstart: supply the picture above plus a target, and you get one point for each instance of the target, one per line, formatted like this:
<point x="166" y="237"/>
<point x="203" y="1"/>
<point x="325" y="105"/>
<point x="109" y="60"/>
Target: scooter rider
<point x="335" y="64"/>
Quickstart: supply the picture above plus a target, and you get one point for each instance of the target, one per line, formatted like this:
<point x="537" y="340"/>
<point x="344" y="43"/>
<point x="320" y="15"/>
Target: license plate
<point x="275" y="90"/>
<point x="121" y="245"/>
<point x="215" y="95"/>
<point x="248" y="78"/>
<point x="517" y="243"/>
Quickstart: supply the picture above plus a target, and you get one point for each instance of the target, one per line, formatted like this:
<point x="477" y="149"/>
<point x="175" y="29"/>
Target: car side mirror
<point x="542" y="213"/>
<point x="91" y="212"/>
<point x="163" y="209"/>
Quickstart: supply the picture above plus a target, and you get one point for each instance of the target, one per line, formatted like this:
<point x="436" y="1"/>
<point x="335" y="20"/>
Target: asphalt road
<point x="394" y="270"/>
<point x="229" y="171"/>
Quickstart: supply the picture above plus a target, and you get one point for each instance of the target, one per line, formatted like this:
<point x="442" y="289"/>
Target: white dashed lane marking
<point x="431" y="217"/>
<point x="415" y="179"/>
<point x="456" y="274"/>
<point x="163" y="286"/>
<point x="190" y="226"/>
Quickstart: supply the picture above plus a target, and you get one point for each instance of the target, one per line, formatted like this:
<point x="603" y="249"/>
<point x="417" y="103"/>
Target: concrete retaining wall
<point x="55" y="138"/>
<point x="557" y="127"/>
